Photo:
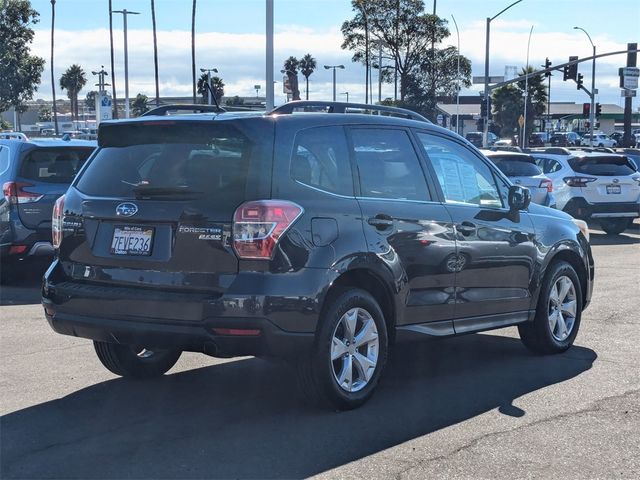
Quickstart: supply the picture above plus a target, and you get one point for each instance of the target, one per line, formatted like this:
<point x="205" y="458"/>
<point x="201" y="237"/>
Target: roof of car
<point x="503" y="154"/>
<point x="50" y="142"/>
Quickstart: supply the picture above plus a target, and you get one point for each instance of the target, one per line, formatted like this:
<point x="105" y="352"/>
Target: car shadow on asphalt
<point x="596" y="238"/>
<point x="244" y="418"/>
<point x="23" y="287"/>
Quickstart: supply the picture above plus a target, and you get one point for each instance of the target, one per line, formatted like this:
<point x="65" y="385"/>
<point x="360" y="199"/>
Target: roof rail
<point x="344" y="107"/>
<point x="175" y="107"/>
<point x="550" y="150"/>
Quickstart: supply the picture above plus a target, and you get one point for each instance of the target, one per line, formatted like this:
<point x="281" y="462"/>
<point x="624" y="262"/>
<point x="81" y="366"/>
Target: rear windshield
<point x="54" y="165"/>
<point x="516" y="167"/>
<point x="608" y="166"/>
<point x="168" y="160"/>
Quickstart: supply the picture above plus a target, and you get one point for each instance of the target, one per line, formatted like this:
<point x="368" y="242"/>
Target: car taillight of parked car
<point x="56" y="222"/>
<point x="14" y="193"/>
<point x="258" y="225"/>
<point x="578" y="181"/>
<point x="548" y="184"/>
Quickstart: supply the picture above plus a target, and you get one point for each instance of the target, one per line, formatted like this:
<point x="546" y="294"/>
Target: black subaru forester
<point x="318" y="238"/>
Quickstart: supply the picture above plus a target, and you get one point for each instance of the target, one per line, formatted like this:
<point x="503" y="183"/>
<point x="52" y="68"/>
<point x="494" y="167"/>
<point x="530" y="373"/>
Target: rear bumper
<point x="283" y="312"/>
<point x="200" y="337"/>
<point x="578" y="207"/>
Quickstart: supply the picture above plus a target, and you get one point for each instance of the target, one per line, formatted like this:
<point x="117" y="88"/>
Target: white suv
<point x="599" y="140"/>
<point x="594" y="185"/>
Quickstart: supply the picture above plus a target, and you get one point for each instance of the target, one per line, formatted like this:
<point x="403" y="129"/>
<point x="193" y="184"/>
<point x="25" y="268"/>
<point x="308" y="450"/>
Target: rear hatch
<point x="154" y="207"/>
<point x="611" y="178"/>
<point x="44" y="174"/>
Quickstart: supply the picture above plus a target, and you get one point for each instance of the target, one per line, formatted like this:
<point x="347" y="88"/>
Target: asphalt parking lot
<point x="478" y="406"/>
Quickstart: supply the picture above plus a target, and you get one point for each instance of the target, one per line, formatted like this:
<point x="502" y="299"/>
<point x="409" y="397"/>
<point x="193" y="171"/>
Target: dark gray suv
<point x="33" y="174"/>
<point x="320" y="238"/>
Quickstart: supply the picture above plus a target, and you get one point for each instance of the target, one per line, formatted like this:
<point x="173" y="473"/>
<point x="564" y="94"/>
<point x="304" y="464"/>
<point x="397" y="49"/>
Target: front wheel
<point x="135" y="361"/>
<point x="558" y="313"/>
<point x="349" y="354"/>
<point x="614" y="226"/>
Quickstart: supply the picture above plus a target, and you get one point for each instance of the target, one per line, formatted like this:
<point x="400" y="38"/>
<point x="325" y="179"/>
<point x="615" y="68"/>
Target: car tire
<point x="558" y="312"/>
<point x="351" y="338"/>
<point x="135" y="362"/>
<point x="614" y="226"/>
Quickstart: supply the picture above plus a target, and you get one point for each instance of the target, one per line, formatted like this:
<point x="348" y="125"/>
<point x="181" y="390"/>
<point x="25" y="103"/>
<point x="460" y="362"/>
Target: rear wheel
<point x="135" y="361"/>
<point x="558" y="313"/>
<point x="614" y="226"/>
<point x="349" y="354"/>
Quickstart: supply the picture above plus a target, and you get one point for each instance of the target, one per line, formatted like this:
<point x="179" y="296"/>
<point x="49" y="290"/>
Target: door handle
<point x="381" y="221"/>
<point x="466" y="228"/>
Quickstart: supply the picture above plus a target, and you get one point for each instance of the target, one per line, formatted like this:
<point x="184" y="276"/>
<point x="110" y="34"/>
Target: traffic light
<point x="483" y="109"/>
<point x="570" y="71"/>
<point x="579" y="81"/>
<point x="586" y="109"/>
<point x="547" y="64"/>
<point x="598" y="109"/>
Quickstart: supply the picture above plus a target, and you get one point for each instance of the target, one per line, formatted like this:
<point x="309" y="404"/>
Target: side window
<point x="464" y="178"/>
<point x="388" y="165"/>
<point x="4" y="160"/>
<point x="321" y="159"/>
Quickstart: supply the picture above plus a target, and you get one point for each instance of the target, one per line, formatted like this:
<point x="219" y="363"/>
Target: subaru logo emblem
<point x="615" y="180"/>
<point x="126" y="209"/>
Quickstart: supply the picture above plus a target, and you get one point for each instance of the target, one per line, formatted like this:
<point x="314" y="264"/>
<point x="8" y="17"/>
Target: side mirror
<point x="519" y="198"/>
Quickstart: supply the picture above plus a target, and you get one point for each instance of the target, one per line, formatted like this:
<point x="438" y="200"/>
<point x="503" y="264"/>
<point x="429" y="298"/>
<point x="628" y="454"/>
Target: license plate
<point x="130" y="240"/>
<point x="614" y="189"/>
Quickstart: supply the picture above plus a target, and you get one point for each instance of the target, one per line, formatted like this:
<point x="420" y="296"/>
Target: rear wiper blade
<point x="146" y="190"/>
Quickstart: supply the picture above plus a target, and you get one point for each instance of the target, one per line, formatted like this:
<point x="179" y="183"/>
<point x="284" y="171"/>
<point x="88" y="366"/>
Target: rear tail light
<point x="15" y="194"/>
<point x="548" y="184"/>
<point x="578" y="181"/>
<point x="258" y="225"/>
<point x="56" y="222"/>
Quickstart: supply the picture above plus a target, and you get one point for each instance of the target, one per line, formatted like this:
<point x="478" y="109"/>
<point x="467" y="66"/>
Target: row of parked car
<point x="318" y="238"/>
<point x="558" y="139"/>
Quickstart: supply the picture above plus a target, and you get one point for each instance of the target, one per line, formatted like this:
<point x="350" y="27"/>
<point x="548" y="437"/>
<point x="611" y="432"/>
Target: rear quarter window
<point x="53" y="165"/>
<point x="4" y="160"/>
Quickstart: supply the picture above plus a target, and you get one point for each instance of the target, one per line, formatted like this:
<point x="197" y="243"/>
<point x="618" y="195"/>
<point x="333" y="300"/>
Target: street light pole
<point x="486" y="71"/>
<point x="347" y="94"/>
<point x="526" y="93"/>
<point x="592" y="113"/>
<point x="327" y="67"/>
<point x="457" y="78"/>
<point x="125" y="13"/>
<point x="208" y="72"/>
<point x="270" y="91"/>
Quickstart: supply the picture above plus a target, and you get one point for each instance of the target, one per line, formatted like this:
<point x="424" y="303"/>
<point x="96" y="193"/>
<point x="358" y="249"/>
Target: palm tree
<point x="53" y="79"/>
<point x="291" y="65"/>
<point x="193" y="48"/>
<point x="155" y="50"/>
<point x="113" y="74"/>
<point x="140" y="105"/>
<point x="307" y="67"/>
<point x="72" y="80"/>
<point x="217" y="85"/>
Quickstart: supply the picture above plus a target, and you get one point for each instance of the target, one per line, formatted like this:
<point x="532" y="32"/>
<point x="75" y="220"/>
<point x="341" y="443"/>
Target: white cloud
<point x="240" y="58"/>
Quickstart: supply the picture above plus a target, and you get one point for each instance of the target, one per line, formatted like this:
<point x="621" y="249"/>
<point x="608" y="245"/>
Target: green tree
<point x="4" y="125"/>
<point x="72" y="80"/>
<point x="90" y="100"/>
<point x="20" y="71"/>
<point x="436" y="77"/>
<point x="404" y="29"/>
<point x="290" y="67"/>
<point x="44" y="115"/>
<point x="508" y="104"/>
<point x="235" y="100"/>
<point x="140" y="105"/>
<point x="217" y="85"/>
<point x="307" y="66"/>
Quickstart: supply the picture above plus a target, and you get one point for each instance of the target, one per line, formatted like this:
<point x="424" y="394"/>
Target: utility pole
<point x="125" y="13"/>
<point x="457" y="78"/>
<point x="632" y="57"/>
<point x="269" y="97"/>
<point x="592" y="113"/>
<point x="526" y="93"/>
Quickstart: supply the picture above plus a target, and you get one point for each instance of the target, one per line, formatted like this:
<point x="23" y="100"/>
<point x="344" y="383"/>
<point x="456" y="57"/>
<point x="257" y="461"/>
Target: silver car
<point x="522" y="170"/>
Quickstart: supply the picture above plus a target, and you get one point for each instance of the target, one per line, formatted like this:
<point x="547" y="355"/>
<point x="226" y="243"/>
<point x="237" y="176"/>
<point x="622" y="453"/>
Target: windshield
<point x="516" y="168"/>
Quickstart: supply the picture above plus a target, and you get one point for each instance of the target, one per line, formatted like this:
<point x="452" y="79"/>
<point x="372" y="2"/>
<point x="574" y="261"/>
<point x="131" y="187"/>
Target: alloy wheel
<point x="562" y="308"/>
<point x="354" y="350"/>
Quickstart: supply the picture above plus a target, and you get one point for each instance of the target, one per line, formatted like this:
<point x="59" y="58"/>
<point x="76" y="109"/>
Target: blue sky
<point x="231" y="38"/>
